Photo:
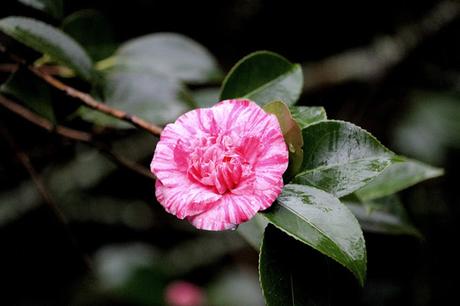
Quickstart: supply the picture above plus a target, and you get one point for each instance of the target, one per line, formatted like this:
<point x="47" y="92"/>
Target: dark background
<point x="39" y="265"/>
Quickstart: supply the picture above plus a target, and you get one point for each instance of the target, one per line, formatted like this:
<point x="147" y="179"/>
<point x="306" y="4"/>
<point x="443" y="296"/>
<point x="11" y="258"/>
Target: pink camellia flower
<point x="182" y="293"/>
<point x="219" y="166"/>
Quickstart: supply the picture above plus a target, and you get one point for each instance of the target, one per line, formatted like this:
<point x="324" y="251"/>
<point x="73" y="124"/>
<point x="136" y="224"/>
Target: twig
<point x="372" y="62"/>
<point x="43" y="122"/>
<point x="72" y="134"/>
<point x="24" y="159"/>
<point x="85" y="98"/>
<point x="89" y="101"/>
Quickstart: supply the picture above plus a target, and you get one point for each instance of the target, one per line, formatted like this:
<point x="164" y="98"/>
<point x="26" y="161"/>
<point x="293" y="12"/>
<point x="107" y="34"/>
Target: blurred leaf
<point x="430" y="127"/>
<point x="253" y="230"/>
<point x="293" y="274"/>
<point x="31" y="91"/>
<point x="398" y="176"/>
<point x="319" y="220"/>
<point x="264" y="77"/>
<point x="200" y="252"/>
<point x="131" y="272"/>
<point x="206" y="97"/>
<point x="150" y="95"/>
<point x="172" y="54"/>
<point x="340" y="157"/>
<point x="386" y="215"/>
<point x="93" y="31"/>
<point x="51" y="41"/>
<point x="306" y="115"/>
<point x="236" y="287"/>
<point x="51" y="7"/>
<point x="291" y="133"/>
<point x="16" y="202"/>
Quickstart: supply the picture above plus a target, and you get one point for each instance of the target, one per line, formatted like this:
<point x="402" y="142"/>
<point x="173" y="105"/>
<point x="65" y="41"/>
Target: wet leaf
<point x="340" y="157"/>
<point x="306" y="115"/>
<point x="398" y="176"/>
<point x="293" y="274"/>
<point x="319" y="220"/>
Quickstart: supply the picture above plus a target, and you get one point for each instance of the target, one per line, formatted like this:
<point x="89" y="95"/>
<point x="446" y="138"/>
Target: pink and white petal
<point x="231" y="211"/>
<point x="185" y="200"/>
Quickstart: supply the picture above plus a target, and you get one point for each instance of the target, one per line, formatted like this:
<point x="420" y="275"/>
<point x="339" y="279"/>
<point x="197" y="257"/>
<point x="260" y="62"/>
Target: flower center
<point x="216" y="162"/>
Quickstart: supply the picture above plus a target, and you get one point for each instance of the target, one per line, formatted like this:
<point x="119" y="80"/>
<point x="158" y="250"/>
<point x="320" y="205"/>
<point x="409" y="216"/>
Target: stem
<point x="89" y="101"/>
<point x="72" y="134"/>
<point x="86" y="99"/>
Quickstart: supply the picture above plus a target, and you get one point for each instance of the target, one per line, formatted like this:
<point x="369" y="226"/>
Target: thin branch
<point x="85" y="98"/>
<point x="89" y="101"/>
<point x="24" y="159"/>
<point x="72" y="134"/>
<point x="43" y="122"/>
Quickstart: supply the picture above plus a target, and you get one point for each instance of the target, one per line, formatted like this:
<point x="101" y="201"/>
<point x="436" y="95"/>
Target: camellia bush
<point x="240" y="157"/>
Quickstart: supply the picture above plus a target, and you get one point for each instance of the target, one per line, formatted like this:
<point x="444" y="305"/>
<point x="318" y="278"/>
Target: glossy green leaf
<point x="264" y="77"/>
<point x="172" y="54"/>
<point x="318" y="219"/>
<point x="340" y="157"/>
<point x="253" y="230"/>
<point x="306" y="115"/>
<point x="293" y="274"/>
<point x="51" y="41"/>
<point x="386" y="215"/>
<point x="291" y="133"/>
<point x="31" y="91"/>
<point x="93" y="31"/>
<point x="51" y="7"/>
<point x="152" y="96"/>
<point x="398" y="176"/>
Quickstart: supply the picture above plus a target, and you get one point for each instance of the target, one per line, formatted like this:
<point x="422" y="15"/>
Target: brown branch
<point x="72" y="134"/>
<point x="24" y="159"/>
<point x="43" y="122"/>
<point x="89" y="101"/>
<point x="9" y="68"/>
<point x="85" y="98"/>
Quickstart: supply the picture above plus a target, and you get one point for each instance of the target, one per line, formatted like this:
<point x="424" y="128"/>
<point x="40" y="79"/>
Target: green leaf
<point x="291" y="133"/>
<point x="264" y="77"/>
<point x="253" y="230"/>
<point x="306" y="115"/>
<point x="31" y="91"/>
<point x="51" y="7"/>
<point x="319" y="220"/>
<point x="293" y="274"/>
<point x="152" y="96"/>
<point x="386" y="215"/>
<point x="340" y="157"/>
<point x="93" y="31"/>
<point x="396" y="177"/>
<point x="51" y="41"/>
<point x="172" y="54"/>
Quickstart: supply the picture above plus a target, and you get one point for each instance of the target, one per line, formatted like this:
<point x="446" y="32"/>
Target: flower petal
<point x="184" y="201"/>
<point x="233" y="209"/>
